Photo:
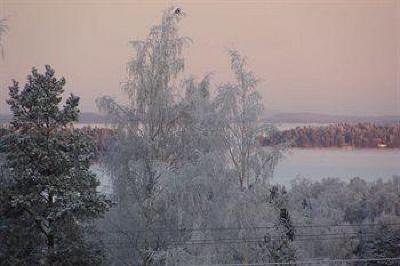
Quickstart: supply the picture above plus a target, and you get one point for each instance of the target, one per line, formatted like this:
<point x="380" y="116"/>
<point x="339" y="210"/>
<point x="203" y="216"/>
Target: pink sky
<point x="327" y="56"/>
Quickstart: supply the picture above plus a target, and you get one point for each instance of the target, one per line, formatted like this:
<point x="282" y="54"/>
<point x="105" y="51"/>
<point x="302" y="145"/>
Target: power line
<point x="111" y="245"/>
<point x="169" y="229"/>
<point x="121" y="244"/>
<point x="271" y="238"/>
<point x="128" y="245"/>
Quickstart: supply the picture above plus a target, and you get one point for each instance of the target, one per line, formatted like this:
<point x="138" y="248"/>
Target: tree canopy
<point x="50" y="194"/>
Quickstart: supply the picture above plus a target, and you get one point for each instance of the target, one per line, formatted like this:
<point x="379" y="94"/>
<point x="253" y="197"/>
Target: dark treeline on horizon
<point x="359" y="135"/>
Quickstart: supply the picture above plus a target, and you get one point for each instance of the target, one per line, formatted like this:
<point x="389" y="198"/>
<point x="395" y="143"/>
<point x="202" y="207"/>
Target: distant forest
<point x="360" y="135"/>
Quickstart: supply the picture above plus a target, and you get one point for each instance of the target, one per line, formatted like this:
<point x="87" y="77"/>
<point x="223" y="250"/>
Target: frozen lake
<point x="315" y="164"/>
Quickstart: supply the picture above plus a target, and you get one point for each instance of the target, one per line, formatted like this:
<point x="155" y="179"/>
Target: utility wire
<point x="117" y="244"/>
<point x="169" y="229"/>
<point x="269" y="238"/>
<point x="125" y="244"/>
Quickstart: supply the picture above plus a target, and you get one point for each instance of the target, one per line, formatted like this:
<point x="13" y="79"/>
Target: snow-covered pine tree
<point x="50" y="196"/>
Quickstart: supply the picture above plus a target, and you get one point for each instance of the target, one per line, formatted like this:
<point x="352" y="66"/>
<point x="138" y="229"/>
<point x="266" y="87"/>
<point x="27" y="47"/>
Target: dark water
<point x="315" y="164"/>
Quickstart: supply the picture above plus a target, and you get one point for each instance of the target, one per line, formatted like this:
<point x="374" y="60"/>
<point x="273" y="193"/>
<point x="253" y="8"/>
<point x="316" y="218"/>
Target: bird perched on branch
<point x="178" y="11"/>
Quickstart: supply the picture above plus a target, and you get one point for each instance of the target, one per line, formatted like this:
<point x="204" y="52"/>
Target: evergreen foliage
<point x="50" y="196"/>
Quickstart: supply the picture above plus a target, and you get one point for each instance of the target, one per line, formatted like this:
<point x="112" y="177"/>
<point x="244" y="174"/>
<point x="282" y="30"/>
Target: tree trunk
<point x="50" y="249"/>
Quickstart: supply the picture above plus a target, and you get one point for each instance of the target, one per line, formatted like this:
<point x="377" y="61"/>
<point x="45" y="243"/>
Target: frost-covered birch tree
<point x="241" y="109"/>
<point x="176" y="161"/>
<point x="144" y="160"/>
